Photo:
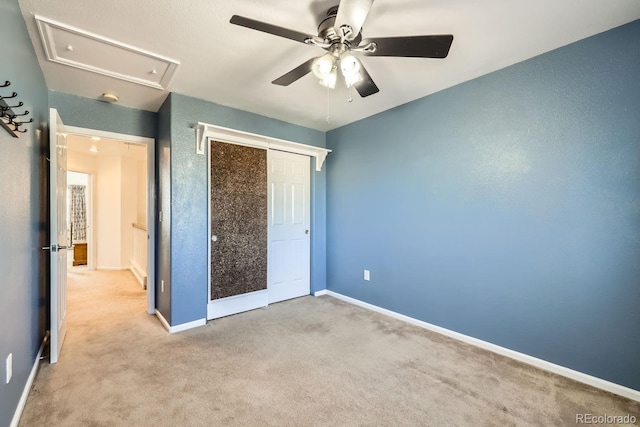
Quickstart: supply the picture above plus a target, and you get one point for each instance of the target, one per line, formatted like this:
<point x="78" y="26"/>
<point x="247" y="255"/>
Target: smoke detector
<point x="110" y="97"/>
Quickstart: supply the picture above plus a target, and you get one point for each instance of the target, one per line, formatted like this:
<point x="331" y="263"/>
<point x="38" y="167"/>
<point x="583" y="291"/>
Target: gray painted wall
<point x="189" y="193"/>
<point x="23" y="190"/>
<point x="505" y="208"/>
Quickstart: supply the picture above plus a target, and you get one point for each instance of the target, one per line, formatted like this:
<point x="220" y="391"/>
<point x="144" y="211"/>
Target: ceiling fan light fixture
<point x="324" y="66"/>
<point x="329" y="80"/>
<point x="349" y="65"/>
<point x="340" y="34"/>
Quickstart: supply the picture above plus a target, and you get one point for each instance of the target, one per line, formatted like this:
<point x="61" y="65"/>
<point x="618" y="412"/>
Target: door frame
<point x="91" y="261"/>
<point x="151" y="199"/>
<point x="204" y="133"/>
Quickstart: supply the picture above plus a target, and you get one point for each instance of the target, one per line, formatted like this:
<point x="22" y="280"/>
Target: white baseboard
<point x="181" y="327"/>
<point x="139" y="273"/>
<point x="237" y="304"/>
<point x="27" y="386"/>
<point x="320" y="293"/>
<point x="101" y="267"/>
<point x="521" y="357"/>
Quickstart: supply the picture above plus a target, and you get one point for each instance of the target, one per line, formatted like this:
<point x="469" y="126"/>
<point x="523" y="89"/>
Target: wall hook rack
<point x="10" y="120"/>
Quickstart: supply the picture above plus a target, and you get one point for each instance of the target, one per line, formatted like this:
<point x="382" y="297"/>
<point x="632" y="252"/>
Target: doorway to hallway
<point x="115" y="174"/>
<point x="107" y="214"/>
<point x="117" y="171"/>
<point x="107" y="204"/>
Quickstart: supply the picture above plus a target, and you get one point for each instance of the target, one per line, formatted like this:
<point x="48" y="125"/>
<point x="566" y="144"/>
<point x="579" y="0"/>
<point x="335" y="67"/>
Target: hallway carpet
<point x="305" y="362"/>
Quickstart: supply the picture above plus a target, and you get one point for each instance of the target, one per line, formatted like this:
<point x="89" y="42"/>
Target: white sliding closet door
<point x="288" y="267"/>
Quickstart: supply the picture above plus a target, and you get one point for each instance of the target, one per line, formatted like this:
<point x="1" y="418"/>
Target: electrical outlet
<point x="367" y="275"/>
<point x="162" y="286"/>
<point x="9" y="367"/>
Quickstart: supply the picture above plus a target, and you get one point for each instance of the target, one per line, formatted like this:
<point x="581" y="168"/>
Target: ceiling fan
<point x="340" y="35"/>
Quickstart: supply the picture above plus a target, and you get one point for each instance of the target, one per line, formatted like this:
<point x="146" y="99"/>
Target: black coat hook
<point x="13" y="116"/>
<point x="9" y="119"/>
<point x="8" y="107"/>
<point x="21" y="123"/>
<point x="17" y="129"/>
<point x="13" y="95"/>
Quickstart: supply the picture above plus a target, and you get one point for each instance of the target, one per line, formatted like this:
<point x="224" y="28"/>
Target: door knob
<point x="55" y="248"/>
<point x="306" y="231"/>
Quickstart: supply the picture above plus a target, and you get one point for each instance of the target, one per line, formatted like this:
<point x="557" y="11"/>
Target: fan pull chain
<point x="350" y="98"/>
<point x="328" y="119"/>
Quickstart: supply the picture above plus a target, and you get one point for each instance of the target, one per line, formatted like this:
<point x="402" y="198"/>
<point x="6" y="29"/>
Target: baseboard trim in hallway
<point x="181" y="327"/>
<point x="27" y="386"/>
<point x="581" y="377"/>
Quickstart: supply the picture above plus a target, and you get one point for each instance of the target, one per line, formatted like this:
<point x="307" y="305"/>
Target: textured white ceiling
<point x="106" y="147"/>
<point x="234" y="66"/>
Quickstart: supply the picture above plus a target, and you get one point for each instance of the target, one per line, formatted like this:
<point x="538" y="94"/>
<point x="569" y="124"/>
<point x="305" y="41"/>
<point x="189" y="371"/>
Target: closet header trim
<point x="205" y="131"/>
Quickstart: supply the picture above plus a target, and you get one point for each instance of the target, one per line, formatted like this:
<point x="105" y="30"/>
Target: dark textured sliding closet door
<point x="238" y="219"/>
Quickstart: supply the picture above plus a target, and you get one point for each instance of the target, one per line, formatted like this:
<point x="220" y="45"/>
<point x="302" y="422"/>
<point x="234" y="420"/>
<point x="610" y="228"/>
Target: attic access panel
<point x="78" y="48"/>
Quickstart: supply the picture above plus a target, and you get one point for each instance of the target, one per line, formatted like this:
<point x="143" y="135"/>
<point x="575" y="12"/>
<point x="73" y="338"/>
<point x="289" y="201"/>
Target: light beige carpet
<point x="305" y="362"/>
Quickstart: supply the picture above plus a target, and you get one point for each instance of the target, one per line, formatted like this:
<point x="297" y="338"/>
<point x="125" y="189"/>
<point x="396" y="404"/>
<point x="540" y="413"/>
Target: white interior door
<point x="58" y="234"/>
<point x="288" y="267"/>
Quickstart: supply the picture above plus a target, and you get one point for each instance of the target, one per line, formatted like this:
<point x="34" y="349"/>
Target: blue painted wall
<point x="93" y="114"/>
<point x="23" y="190"/>
<point x="189" y="195"/>
<point x="506" y="208"/>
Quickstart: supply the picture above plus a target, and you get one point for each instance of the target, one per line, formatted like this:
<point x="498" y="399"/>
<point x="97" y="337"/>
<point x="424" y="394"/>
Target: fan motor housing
<point x="327" y="32"/>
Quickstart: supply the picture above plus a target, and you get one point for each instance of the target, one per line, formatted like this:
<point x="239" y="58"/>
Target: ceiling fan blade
<point x="295" y="74"/>
<point x="270" y="28"/>
<point x="366" y="86"/>
<point x="412" y="46"/>
<point x="352" y="13"/>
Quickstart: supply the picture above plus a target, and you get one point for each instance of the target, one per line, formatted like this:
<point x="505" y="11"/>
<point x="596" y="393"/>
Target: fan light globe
<point x="329" y="80"/>
<point x="323" y="66"/>
<point x="349" y="65"/>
